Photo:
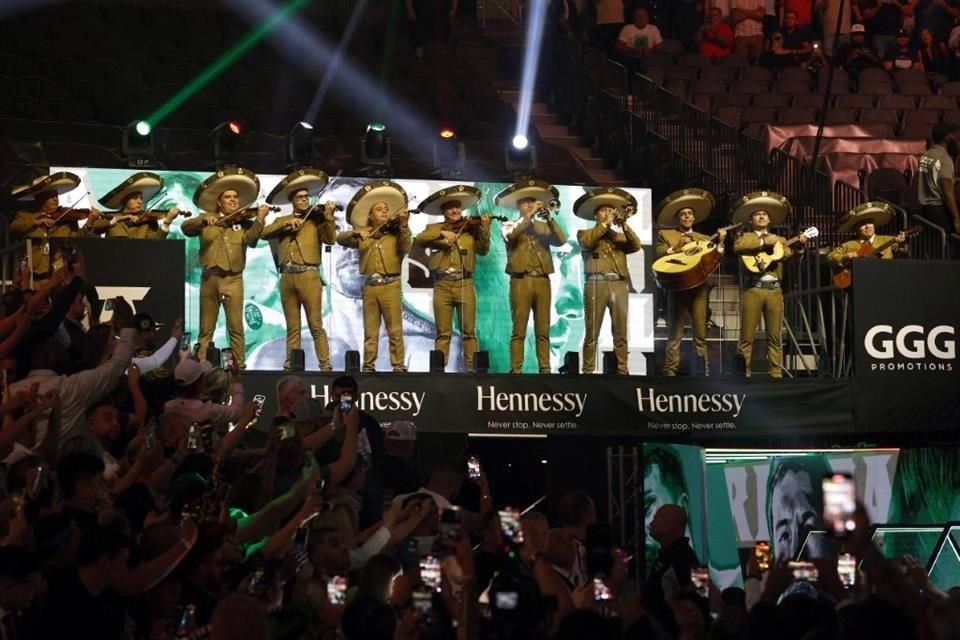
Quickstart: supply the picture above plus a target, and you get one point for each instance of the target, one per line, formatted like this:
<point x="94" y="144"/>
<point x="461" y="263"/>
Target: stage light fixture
<point x="436" y="361"/>
<point x="481" y="362"/>
<point x="226" y="140"/>
<point x="609" y="363"/>
<point x="300" y="146"/>
<point x="351" y="361"/>
<point x="449" y="155"/>
<point x="297" y="360"/>
<point x="375" y="155"/>
<point x="136" y="143"/>
<point x="520" y="158"/>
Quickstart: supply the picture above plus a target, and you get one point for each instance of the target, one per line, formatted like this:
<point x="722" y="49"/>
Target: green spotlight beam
<point x="224" y="62"/>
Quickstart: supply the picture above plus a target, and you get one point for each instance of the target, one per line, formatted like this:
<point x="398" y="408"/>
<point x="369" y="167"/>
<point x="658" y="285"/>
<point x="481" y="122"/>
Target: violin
<point x="63" y="215"/>
<point x="243" y="214"/>
<point x="146" y="217"/>
<point x="306" y="214"/>
<point x="469" y="222"/>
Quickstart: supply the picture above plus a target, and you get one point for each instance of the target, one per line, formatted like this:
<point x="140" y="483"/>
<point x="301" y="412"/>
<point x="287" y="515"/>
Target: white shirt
<point x="748" y="27"/>
<point x="80" y="390"/>
<point x="204" y="411"/>
<point x="638" y="39"/>
<point x="156" y="359"/>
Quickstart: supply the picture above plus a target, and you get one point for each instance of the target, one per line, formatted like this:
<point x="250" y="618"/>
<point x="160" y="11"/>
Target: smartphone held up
<point x="839" y="504"/>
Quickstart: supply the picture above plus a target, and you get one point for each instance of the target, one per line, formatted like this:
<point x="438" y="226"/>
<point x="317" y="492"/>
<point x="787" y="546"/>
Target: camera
<point x="346" y="403"/>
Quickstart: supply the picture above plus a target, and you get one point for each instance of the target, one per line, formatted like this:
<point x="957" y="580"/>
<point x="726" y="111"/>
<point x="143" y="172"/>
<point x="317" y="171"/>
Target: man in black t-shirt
<point x="902" y="55"/>
<point x="856" y="55"/>
<point x="671" y="574"/>
<point x="790" y="46"/>
<point x="882" y="19"/>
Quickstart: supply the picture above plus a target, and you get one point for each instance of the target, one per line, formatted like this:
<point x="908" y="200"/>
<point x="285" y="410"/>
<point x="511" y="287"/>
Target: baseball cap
<point x="306" y="410"/>
<point x="401" y="430"/>
<point x="858" y="28"/>
<point x="189" y="371"/>
<point x="145" y="322"/>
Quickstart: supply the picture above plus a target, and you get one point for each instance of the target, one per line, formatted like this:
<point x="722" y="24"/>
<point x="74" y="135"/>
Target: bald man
<point x="675" y="563"/>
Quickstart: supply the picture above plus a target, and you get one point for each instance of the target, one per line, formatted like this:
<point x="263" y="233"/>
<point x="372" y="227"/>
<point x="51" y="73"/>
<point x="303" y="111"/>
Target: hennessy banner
<point x="906" y="320"/>
<point x="668" y="408"/>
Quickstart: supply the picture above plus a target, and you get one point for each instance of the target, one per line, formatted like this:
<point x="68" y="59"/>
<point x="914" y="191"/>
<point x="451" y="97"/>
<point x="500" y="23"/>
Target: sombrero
<point x="536" y="189"/>
<point x="587" y="204"/>
<point x="699" y="200"/>
<point x="358" y="211"/>
<point x="148" y="184"/>
<point x="879" y="213"/>
<point x="467" y="196"/>
<point x="776" y="206"/>
<point x="313" y="180"/>
<point x="243" y="181"/>
<point x="61" y="182"/>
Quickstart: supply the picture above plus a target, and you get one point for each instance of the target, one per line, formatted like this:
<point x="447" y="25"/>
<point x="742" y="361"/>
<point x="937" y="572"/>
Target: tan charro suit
<point x="148" y="231"/>
<point x="530" y="264"/>
<point x="380" y="261"/>
<point x="452" y="268"/>
<point x="223" y="256"/>
<point x="757" y="300"/>
<point x="680" y="304"/>
<point x="607" y="288"/>
<point x="299" y="254"/>
<point x="838" y="257"/>
<point x="24" y="226"/>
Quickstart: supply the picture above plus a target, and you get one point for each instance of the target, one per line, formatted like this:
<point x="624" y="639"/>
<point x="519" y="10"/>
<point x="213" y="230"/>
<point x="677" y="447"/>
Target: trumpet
<point x="547" y="210"/>
<point x="620" y="214"/>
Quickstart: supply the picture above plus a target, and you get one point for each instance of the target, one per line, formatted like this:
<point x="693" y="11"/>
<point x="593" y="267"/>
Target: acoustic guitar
<point x="843" y="277"/>
<point x="690" y="265"/>
<point x="770" y="255"/>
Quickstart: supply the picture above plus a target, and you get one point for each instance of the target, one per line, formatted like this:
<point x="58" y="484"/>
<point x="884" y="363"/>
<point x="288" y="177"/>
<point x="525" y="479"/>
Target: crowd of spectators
<point x="888" y="34"/>
<point x="146" y="497"/>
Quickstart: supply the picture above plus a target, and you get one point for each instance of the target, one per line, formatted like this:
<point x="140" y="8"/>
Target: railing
<point x="931" y="243"/>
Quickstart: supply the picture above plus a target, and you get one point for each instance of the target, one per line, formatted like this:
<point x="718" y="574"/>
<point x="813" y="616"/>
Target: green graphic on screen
<point x="263" y="317"/>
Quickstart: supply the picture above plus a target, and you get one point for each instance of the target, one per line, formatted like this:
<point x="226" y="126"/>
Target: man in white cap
<point x="192" y="406"/>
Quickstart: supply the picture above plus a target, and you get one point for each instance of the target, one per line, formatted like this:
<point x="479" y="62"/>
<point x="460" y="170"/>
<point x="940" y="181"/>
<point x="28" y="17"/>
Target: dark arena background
<point x="841" y="133"/>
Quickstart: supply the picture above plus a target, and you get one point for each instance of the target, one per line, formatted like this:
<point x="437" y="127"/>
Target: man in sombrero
<point x="676" y="217"/>
<point x="127" y="199"/>
<point x="453" y="246"/>
<point x="378" y="213"/>
<point x="530" y="264"/>
<point x="44" y="220"/>
<point x="604" y="249"/>
<point x="298" y="249"/>
<point x="225" y="235"/>
<point x="865" y="220"/>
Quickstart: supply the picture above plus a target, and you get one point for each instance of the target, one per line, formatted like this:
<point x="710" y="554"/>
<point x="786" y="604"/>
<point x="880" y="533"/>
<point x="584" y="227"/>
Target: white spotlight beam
<point x="333" y="70"/>
<point x="536" y="19"/>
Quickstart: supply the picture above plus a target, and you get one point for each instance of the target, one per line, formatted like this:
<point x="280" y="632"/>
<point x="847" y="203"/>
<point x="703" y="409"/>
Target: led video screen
<point x="342" y="317"/>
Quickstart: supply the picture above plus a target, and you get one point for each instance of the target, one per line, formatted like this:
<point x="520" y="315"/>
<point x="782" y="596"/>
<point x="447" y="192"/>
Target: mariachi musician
<point x="676" y="216"/>
<point x="761" y="293"/>
<point x="300" y="237"/>
<point x="378" y="213"/>
<point x="604" y="249"/>
<point x="226" y="228"/>
<point x="454" y="245"/>
<point x="864" y="219"/>
<point x="46" y="220"/>
<point x="131" y="221"/>
<point x="530" y="264"/>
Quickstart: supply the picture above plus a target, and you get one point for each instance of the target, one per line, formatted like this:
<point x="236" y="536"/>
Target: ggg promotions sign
<point x="658" y="408"/>
<point x="906" y="327"/>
